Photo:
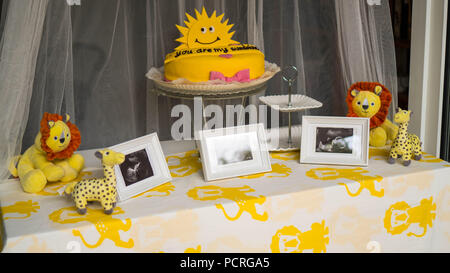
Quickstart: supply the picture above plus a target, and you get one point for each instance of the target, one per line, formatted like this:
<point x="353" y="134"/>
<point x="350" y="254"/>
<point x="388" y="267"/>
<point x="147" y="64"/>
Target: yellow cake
<point x="207" y="52"/>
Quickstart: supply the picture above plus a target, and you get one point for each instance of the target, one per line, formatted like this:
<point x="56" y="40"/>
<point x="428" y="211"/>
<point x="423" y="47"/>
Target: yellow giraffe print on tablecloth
<point x="25" y="208"/>
<point x="291" y="240"/>
<point x="278" y="171"/>
<point x="246" y="203"/>
<point x="355" y="174"/>
<point x="184" y="165"/>
<point x="106" y="226"/>
<point x="400" y="216"/>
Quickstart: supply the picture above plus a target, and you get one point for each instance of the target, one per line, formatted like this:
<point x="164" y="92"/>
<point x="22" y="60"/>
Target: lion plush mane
<point x="385" y="98"/>
<point x="45" y="133"/>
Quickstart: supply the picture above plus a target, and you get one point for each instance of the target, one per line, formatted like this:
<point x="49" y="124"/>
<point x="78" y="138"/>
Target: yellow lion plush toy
<point x="52" y="157"/>
<point x="372" y="100"/>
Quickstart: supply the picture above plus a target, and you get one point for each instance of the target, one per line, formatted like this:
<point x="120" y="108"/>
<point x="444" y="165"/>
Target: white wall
<point x="428" y="43"/>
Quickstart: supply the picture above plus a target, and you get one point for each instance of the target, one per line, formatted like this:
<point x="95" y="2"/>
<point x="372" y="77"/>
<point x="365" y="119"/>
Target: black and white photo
<point x="136" y="167"/>
<point x="233" y="151"/>
<point x="144" y="167"/>
<point x="334" y="140"/>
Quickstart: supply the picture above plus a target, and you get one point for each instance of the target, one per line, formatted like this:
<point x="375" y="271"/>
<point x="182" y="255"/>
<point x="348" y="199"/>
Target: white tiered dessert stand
<point x="281" y="139"/>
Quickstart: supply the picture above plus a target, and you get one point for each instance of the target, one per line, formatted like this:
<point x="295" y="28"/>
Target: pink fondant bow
<point x="241" y="76"/>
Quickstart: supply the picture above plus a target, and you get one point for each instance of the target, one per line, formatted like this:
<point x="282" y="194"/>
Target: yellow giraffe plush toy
<point x="102" y="190"/>
<point x="405" y="144"/>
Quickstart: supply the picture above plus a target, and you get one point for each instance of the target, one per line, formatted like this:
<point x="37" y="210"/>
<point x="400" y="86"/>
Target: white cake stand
<point x="280" y="139"/>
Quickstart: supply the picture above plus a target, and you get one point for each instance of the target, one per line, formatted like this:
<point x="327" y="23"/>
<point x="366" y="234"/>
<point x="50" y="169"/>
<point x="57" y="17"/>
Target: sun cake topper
<point x="205" y="31"/>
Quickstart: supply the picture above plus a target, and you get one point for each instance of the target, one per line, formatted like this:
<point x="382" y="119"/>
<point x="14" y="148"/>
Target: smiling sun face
<point x="205" y="31"/>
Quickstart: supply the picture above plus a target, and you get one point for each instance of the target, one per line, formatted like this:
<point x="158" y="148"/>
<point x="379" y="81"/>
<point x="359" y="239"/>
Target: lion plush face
<point x="369" y="100"/>
<point x="58" y="138"/>
<point x="366" y="103"/>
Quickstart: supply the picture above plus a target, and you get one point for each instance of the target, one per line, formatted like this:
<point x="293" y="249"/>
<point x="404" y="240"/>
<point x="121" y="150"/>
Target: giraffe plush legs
<point x="392" y="156"/>
<point x="417" y="149"/>
<point x="81" y="205"/>
<point x="108" y="207"/>
<point x="406" y="159"/>
<point x="417" y="156"/>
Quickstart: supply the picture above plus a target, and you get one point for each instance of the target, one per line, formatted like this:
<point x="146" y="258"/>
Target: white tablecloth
<point x="294" y="208"/>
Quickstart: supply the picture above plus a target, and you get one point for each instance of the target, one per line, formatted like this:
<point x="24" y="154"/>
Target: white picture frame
<point x="233" y="151"/>
<point x="144" y="168"/>
<point x="335" y="141"/>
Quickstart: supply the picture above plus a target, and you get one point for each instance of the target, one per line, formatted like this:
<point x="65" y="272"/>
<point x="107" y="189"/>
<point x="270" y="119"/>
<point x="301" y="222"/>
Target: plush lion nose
<point x="365" y="105"/>
<point x="62" y="138"/>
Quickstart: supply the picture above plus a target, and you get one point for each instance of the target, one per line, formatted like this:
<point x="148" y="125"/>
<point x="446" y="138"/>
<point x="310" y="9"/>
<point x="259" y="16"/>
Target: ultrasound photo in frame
<point x="144" y="167"/>
<point x="136" y="167"/>
<point x="335" y="141"/>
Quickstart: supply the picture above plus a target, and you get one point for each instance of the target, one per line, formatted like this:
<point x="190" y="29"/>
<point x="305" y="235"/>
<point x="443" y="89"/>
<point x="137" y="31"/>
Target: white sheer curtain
<point x="365" y="41"/>
<point x="22" y="30"/>
<point x="90" y="60"/>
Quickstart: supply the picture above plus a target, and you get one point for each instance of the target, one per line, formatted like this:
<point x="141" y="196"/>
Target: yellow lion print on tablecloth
<point x="161" y="191"/>
<point x="355" y="174"/>
<point x="278" y="171"/>
<point x="286" y="156"/>
<point x="245" y="202"/>
<point x="197" y="249"/>
<point x="24" y="208"/>
<point x="106" y="226"/>
<point x="400" y="216"/>
<point x="291" y="240"/>
<point x="185" y="164"/>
